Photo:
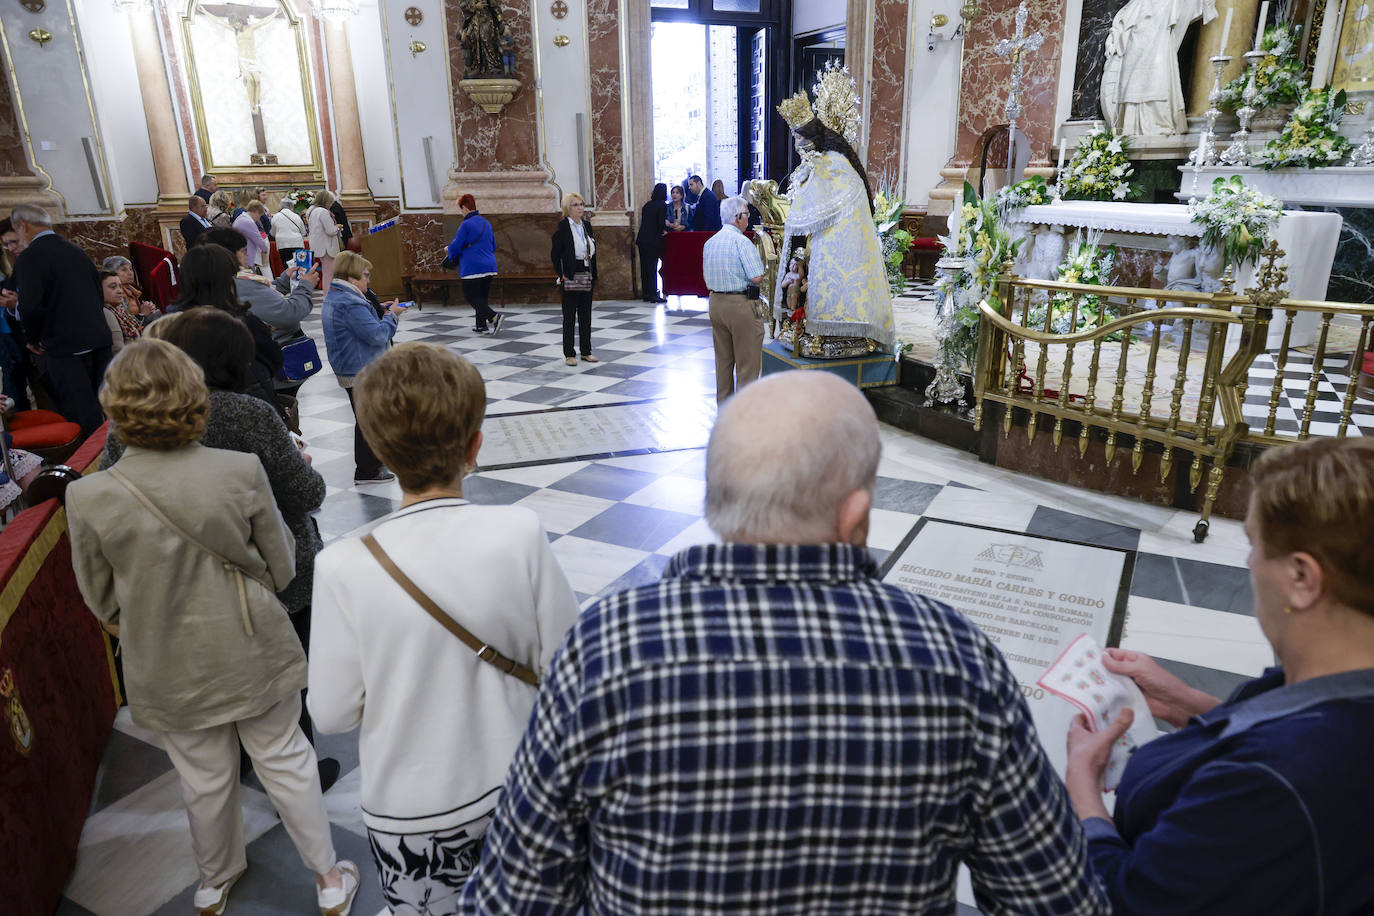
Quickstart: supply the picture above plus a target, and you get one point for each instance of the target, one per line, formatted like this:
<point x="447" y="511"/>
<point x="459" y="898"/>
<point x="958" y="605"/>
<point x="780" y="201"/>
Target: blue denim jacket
<point x="1261" y="805"/>
<point x="353" y="334"/>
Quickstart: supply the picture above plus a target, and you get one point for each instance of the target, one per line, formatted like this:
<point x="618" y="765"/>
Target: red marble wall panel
<point x="608" y="135"/>
<point x="887" y="99"/>
<point x="387" y="208"/>
<point x="500" y="142"/>
<point x="13" y="162"/>
<point x="102" y="238"/>
<point x="1137" y="266"/>
<point x="986" y="77"/>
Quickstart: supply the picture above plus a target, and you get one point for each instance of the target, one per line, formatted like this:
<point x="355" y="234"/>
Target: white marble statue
<point x="1142" y="93"/>
<point x="1047" y="254"/>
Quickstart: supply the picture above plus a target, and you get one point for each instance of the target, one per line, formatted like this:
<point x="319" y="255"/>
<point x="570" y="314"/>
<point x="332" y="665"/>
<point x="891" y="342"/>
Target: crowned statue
<point x="847" y="305"/>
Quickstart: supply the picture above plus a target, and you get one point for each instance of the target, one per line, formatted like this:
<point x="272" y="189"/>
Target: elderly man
<point x="194" y="222"/>
<point x="770" y="728"/>
<point x="730" y="264"/>
<point x="63" y="312"/>
<point x="208" y="185"/>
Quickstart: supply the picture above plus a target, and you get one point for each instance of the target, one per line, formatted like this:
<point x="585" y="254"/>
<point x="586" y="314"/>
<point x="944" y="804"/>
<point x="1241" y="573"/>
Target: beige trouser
<point x="738" y="338"/>
<point x="207" y="760"/>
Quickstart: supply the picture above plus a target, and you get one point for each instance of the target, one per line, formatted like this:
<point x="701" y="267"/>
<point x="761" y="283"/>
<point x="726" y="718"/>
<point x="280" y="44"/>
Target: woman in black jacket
<point x="652" y="224"/>
<point x="574" y="258"/>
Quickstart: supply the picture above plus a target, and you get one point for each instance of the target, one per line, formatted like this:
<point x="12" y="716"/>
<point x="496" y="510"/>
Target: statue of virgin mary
<point x="848" y="310"/>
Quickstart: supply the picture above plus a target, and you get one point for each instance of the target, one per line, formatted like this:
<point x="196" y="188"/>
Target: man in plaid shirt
<point x="770" y="729"/>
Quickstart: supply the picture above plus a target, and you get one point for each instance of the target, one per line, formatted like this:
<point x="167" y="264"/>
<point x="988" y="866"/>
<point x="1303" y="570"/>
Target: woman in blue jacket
<point x="474" y="248"/>
<point x="1261" y="803"/>
<point x="354" y="336"/>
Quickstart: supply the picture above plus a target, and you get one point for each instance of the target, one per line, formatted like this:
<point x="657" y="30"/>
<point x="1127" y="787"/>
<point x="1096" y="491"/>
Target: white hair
<point x="732" y="207"/>
<point x="780" y="462"/>
<point x="31" y="214"/>
<point x="114" y="262"/>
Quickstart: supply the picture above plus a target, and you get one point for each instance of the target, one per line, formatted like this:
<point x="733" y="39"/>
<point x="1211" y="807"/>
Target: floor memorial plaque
<point x="1031" y="595"/>
<point x="588" y="432"/>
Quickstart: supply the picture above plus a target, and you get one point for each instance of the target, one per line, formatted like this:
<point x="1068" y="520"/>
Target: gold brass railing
<point x="1191" y="400"/>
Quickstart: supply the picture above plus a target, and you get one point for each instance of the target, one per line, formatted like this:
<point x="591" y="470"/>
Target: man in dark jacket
<point x="63" y="312"/>
<point x="194" y="222"/>
<point x="706" y="217"/>
<point x="336" y="209"/>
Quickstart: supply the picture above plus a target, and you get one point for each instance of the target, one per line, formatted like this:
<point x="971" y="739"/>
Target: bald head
<point x="792" y="460"/>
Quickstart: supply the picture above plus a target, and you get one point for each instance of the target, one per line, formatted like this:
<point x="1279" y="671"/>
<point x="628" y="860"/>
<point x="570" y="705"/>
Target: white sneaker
<point x="211" y="901"/>
<point x="337" y="901"/>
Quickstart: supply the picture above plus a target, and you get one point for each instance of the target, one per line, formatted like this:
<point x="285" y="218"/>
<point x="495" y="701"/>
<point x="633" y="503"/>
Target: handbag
<point x="485" y="652"/>
<point x="578" y="283"/>
<point x="300" y="359"/>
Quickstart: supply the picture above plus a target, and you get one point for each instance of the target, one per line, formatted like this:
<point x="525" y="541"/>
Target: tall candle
<point x="1226" y="29"/>
<point x="1063" y="145"/>
<point x="1259" y="26"/>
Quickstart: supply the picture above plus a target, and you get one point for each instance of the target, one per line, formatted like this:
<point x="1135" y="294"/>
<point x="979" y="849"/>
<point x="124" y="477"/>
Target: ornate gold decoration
<point x="21" y="728"/>
<point x="417" y="47"/>
<point x="414" y="15"/>
<point x="42" y="36"/>
<point x="561" y="41"/>
<point x="33" y="6"/>
<point x="796" y="110"/>
<point x="969" y="12"/>
<point x="938" y="21"/>
<point x="559" y="9"/>
<point x="837" y="102"/>
<point x="492" y="94"/>
<point x="1356" y="108"/>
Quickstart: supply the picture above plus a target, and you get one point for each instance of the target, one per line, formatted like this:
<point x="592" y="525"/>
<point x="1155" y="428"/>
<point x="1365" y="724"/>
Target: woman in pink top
<point x="248" y="226"/>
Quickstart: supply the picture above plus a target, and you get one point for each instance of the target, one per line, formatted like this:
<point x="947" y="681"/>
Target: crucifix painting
<point x="247" y="63"/>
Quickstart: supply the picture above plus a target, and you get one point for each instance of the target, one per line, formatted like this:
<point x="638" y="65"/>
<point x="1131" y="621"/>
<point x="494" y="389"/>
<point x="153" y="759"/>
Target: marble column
<point x="164" y="134"/>
<point x="879" y="68"/>
<point x="354" y="193"/>
<point x="1242" y="39"/>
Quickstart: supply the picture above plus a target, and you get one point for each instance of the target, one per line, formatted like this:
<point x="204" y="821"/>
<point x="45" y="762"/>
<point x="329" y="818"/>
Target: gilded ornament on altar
<point x="21" y="728"/>
<point x="559" y="9"/>
<point x="414" y="15"/>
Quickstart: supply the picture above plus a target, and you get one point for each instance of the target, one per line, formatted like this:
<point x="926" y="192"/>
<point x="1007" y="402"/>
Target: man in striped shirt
<point x="730" y="264"/>
<point x="770" y="728"/>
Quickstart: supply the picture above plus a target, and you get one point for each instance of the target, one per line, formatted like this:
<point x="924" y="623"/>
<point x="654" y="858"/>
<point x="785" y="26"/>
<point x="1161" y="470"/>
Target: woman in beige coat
<point x="324" y="235"/>
<point x="181" y="549"/>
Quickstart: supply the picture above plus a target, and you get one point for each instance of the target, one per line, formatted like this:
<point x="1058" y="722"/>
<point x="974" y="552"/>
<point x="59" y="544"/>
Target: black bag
<point x="580" y="282"/>
<point x="449" y="263"/>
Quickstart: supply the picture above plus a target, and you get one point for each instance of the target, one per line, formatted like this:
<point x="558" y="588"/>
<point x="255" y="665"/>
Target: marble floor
<point x="611" y="457"/>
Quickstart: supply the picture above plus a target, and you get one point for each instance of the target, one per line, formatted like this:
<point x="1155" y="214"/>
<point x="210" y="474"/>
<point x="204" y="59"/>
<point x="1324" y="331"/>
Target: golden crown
<point x="837" y="101"/>
<point x="796" y="110"/>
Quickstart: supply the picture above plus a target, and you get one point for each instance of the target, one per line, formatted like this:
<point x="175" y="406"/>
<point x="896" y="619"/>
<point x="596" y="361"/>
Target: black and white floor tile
<point x="617" y="502"/>
<point x="1332" y="382"/>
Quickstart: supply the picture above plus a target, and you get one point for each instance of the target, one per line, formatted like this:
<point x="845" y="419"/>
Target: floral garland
<point x="1309" y="139"/>
<point x="1028" y="192"/>
<point x="1100" y="169"/>
<point x="895" y="241"/>
<point x="1278" y="75"/>
<point x="1086" y="263"/>
<point x="1236" y="219"/>
<point x="983" y="245"/>
<point x="299" y="200"/>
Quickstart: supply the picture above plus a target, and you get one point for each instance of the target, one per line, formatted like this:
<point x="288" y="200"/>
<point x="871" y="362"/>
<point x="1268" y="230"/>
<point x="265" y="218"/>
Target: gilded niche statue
<point x="480" y="37"/>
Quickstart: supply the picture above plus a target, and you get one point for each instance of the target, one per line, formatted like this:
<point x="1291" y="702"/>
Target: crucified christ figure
<point x="244" y="22"/>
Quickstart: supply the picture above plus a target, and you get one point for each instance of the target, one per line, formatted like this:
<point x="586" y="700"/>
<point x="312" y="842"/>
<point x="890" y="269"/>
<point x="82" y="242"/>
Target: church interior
<point x="1128" y="247"/>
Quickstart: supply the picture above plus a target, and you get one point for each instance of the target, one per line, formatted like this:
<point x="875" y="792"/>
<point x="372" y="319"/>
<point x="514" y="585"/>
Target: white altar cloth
<point x="1308" y="238"/>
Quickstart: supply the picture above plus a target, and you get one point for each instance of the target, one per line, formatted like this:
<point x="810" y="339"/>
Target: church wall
<point x="417" y="93"/>
<point x="817" y="15"/>
<point x="932" y="100"/>
<point x="372" y="81"/>
<point x="495" y="143"/>
<point x="563" y="93"/>
<point x="119" y="104"/>
<point x="53" y="99"/>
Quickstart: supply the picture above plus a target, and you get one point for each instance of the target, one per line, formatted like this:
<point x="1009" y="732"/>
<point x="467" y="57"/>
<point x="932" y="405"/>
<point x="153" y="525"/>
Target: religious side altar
<point x="1308" y="238"/>
<point x="1333" y="186"/>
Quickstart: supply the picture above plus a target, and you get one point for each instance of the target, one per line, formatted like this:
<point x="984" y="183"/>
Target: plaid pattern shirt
<point x="770" y="729"/>
<point x="729" y="261"/>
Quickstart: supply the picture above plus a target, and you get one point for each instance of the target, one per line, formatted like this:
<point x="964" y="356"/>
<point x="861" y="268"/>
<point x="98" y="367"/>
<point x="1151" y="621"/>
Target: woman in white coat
<point x="289" y="231"/>
<point x="324" y="235"/>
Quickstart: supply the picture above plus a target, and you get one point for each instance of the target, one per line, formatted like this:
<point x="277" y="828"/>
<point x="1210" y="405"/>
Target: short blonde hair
<point x="222" y="201"/>
<point x="256" y="206"/>
<point x="1317" y="497"/>
<point x="349" y="265"/>
<point x="569" y="199"/>
<point x="419" y="406"/>
<point x="323" y="199"/>
<point x="155" y="396"/>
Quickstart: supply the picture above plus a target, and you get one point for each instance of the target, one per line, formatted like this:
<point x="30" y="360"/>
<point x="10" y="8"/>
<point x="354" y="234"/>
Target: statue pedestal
<point x="524" y="191"/>
<point x="492" y="94"/>
<point x="871" y="371"/>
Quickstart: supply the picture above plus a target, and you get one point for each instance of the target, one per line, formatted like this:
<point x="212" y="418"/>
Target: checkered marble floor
<point x="617" y="504"/>
<point x="1332" y="382"/>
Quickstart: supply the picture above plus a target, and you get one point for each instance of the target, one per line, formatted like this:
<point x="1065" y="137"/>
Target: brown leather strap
<point x="485" y="652"/>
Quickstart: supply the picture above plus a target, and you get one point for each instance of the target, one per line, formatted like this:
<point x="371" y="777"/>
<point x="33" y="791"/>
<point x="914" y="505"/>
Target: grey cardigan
<point x="278" y="303"/>
<point x="203" y="643"/>
<point x="242" y="423"/>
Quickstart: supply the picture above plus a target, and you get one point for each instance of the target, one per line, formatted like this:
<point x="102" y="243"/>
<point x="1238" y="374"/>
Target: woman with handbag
<point x="574" y="260"/>
<point x="400" y="615"/>
<point x="473" y="249"/>
<point x="180" y="548"/>
<point x="289" y="231"/>
<point x="324" y="234"/>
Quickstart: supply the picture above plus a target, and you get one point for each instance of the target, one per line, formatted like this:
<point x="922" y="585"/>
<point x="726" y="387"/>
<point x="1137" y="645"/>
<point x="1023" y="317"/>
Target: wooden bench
<point x="447" y="280"/>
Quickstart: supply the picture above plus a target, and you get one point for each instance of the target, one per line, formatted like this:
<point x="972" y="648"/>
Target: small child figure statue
<point x="794" y="282"/>
<point x="507" y="51"/>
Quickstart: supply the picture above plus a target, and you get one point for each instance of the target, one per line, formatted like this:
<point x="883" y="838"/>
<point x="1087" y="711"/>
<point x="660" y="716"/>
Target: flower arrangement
<point x="1278" y="75"/>
<point x="1027" y="192"/>
<point x="298" y="199"/>
<point x="1085" y="262"/>
<point x="983" y="244"/>
<point x="1236" y="219"/>
<point x="1099" y="170"/>
<point x="895" y="241"/>
<point x="1309" y="139"/>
